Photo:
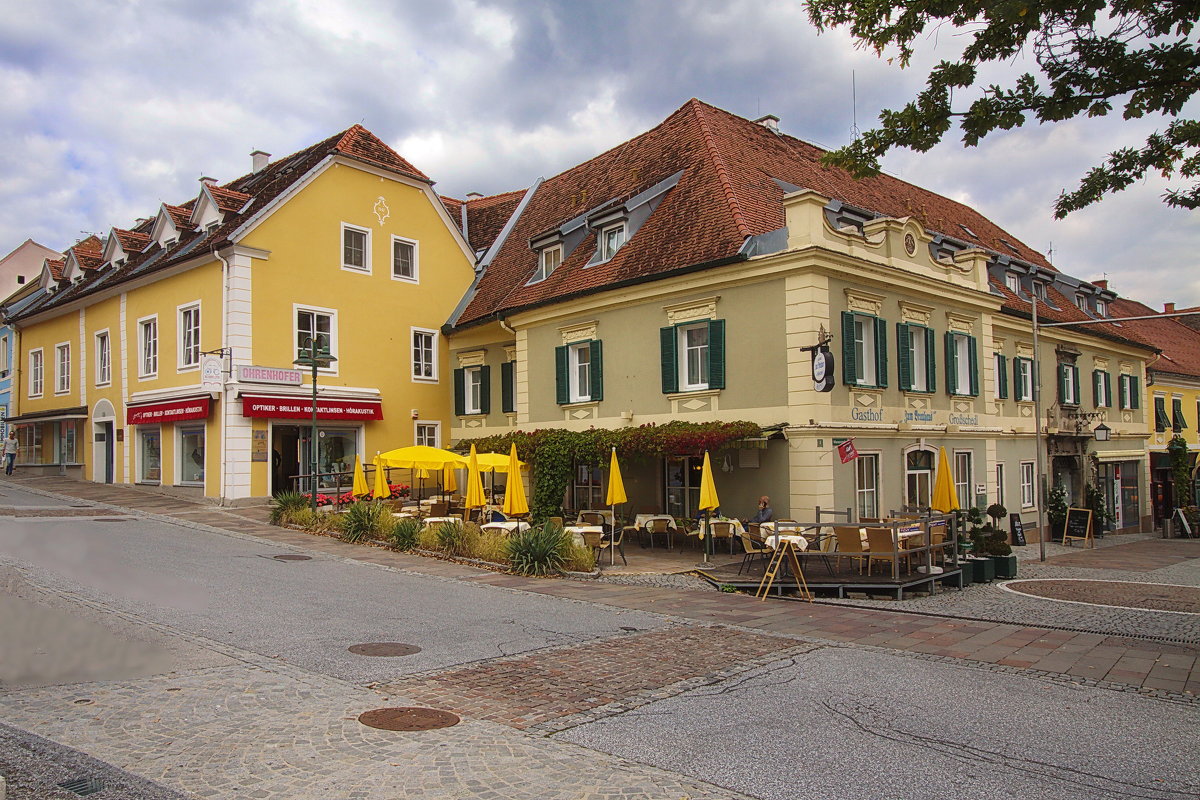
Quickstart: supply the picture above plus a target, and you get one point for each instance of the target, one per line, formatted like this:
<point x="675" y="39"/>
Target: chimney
<point x="1168" y="308"/>
<point x="473" y="195"/>
<point x="208" y="180"/>
<point x="1103" y="284"/>
<point x="259" y="161"/>
<point x="768" y="121"/>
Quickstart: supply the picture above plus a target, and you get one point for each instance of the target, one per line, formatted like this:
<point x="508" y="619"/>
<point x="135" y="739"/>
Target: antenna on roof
<point x="853" y="106"/>
<point x="1050" y="253"/>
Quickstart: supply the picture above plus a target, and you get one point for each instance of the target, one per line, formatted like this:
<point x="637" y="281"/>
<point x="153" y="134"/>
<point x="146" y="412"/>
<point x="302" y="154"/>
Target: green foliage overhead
<point x="1093" y="57"/>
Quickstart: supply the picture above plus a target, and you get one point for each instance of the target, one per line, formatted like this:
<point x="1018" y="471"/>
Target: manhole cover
<point x="110" y="519"/>
<point x="292" y="557"/>
<point x="407" y="719"/>
<point x="83" y="786"/>
<point x="384" y="649"/>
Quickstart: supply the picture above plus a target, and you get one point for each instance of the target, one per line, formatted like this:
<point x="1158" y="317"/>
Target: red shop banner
<point x="174" y="411"/>
<point x="301" y="408"/>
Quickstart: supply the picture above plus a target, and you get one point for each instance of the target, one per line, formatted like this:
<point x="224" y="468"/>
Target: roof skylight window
<point x="970" y="232"/>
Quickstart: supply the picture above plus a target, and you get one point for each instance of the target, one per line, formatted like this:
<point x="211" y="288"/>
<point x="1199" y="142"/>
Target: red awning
<point x="301" y="408"/>
<point x="173" y="411"/>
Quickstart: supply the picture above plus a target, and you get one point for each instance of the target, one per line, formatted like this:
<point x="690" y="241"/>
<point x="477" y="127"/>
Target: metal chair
<point x="754" y="546"/>
<point x="659" y="527"/>
<point x="607" y="543"/>
<point x="880" y="545"/>
<point x="721" y="530"/>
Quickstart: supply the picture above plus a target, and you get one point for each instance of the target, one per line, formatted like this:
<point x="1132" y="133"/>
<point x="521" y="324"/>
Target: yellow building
<point x="165" y="354"/>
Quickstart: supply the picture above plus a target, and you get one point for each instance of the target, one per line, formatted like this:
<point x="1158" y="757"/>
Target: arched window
<point x="918" y="478"/>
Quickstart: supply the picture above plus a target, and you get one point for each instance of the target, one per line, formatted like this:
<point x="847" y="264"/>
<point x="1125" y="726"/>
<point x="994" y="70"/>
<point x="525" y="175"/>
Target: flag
<point x="846" y="451"/>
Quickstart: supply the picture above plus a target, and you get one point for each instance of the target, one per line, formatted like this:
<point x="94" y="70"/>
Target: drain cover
<point x="407" y="719"/>
<point x="292" y="557"/>
<point x="83" y="786"/>
<point x="383" y="649"/>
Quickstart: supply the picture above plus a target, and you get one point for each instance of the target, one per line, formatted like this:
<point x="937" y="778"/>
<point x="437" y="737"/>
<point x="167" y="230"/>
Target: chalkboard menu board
<point x="1018" y="529"/>
<point x="1183" y="526"/>
<point x="1079" y="525"/>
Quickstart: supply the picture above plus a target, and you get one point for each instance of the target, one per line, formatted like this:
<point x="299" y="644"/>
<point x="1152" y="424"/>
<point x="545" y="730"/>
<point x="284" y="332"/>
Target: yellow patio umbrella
<point x="708" y="498"/>
<point x="382" y="490"/>
<point x="449" y="479"/>
<point x="359" y="488"/>
<point x="474" y="498"/>
<point x="944" y="498"/>
<point x="421" y="457"/>
<point x="616" y="494"/>
<point x="515" y="503"/>
<point x="496" y="462"/>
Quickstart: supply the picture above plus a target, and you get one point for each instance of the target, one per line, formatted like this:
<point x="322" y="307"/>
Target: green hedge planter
<point x="1005" y="566"/>
<point x="983" y="570"/>
<point x="965" y="566"/>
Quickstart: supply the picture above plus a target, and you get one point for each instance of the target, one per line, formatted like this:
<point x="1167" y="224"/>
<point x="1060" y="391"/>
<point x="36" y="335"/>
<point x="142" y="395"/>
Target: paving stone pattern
<point x="1115" y="593"/>
<point x="531" y="690"/>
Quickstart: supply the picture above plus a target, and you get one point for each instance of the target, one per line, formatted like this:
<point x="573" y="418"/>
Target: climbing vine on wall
<point x="552" y="453"/>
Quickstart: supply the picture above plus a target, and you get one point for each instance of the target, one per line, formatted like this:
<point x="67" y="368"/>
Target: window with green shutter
<point x="579" y="372"/>
<point x="692" y="356"/>
<point x="1001" y="376"/>
<point x="1023" y="379"/>
<point x="917" y="360"/>
<point x="1101" y="389"/>
<point x="1068" y="384"/>
<point x="864" y="350"/>
<point x="508" y="388"/>
<point x="1161" y="421"/>
<point x="472" y="387"/>
<point x="1178" y="423"/>
<point x="962" y="364"/>
<point x="460" y="406"/>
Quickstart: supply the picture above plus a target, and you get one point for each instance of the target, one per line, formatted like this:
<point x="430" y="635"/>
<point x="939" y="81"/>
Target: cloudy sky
<point x="108" y="107"/>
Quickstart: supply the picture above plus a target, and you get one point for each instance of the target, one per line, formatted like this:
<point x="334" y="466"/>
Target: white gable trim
<point x="112" y="248"/>
<point x="164" y="227"/>
<point x="206" y="210"/>
<point x="72" y="270"/>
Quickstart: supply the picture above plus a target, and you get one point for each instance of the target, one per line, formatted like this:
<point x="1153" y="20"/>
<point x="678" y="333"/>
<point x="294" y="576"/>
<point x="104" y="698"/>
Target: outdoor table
<point x="431" y="521"/>
<point x="577" y="532"/>
<point x="606" y="513"/>
<point x="643" y="523"/>
<point x="507" y="528"/>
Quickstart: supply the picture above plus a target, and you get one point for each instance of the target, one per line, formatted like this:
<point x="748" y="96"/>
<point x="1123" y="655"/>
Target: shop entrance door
<point x="285" y="459"/>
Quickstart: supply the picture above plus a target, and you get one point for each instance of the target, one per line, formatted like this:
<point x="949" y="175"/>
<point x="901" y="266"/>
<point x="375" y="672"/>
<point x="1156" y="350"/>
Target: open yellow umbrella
<point x="616" y="494"/>
<point x="708" y="497"/>
<point x="474" y="497"/>
<point x="359" y="488"/>
<point x="944" y="498"/>
<point x="495" y="462"/>
<point x="420" y="457"/>
<point x="382" y="490"/>
<point x="515" y="503"/>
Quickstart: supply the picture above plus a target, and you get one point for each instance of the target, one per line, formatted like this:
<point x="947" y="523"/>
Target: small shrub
<point x="406" y="533"/>
<point x="538" y="551"/>
<point x="451" y="538"/>
<point x="366" y="521"/>
<point x="316" y="521"/>
<point x="285" y="505"/>
<point x="577" y="558"/>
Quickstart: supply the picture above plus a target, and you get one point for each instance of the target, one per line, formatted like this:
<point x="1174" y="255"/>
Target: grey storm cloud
<point x="108" y="108"/>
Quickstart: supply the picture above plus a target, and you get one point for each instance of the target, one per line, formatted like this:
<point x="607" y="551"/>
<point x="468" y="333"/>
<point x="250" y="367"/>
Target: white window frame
<point x="860" y="492"/>
<point x="37" y="372"/>
<point x="146" y="358"/>
<point x="999" y="364"/>
<point x="1071" y="373"/>
<point x="1013" y="281"/>
<point x="1101" y="307"/>
<point x="918" y="358"/>
<point x="1125" y="390"/>
<point x="962" y="365"/>
<point x="910" y="473"/>
<point x="603" y="244"/>
<point x="545" y="270"/>
<point x="437" y="433"/>
<point x="864" y="350"/>
<point x="62" y="368"/>
<point x="1104" y="385"/>
<point x="473" y="390"/>
<point x="4" y="357"/>
<point x="416" y="260"/>
<point x="1039" y="290"/>
<point x="332" y="313"/>
<point x="180" y="313"/>
<point x="1023" y="389"/>
<point x="964" y="484"/>
<point x="684" y="350"/>
<point x="181" y="430"/>
<point x="1000" y="477"/>
<point x="416" y="363"/>
<point x="1081" y="301"/>
<point x="365" y="269"/>
<point x="579" y="376"/>
<point x="103" y="358"/>
<point x="1028" y="494"/>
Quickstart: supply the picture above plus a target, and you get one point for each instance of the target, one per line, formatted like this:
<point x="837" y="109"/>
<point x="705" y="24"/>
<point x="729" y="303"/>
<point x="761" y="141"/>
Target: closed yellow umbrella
<point x="450" y="478"/>
<point x="708" y="499"/>
<point x="944" y="498"/>
<point x="515" y="503"/>
<point x="359" y="488"/>
<point x="474" y="497"/>
<point x="382" y="490"/>
<point x="616" y="494"/>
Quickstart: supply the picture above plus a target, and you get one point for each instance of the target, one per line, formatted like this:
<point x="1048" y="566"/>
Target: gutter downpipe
<point x="1037" y="411"/>
<point x="224" y="345"/>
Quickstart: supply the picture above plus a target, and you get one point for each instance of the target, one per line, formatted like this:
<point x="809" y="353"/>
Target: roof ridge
<point x="710" y="143"/>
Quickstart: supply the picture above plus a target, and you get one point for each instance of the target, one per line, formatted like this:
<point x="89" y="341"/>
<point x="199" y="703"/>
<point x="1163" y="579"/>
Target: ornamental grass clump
<point x="406" y="533"/>
<point x="286" y="505"/>
<point x="366" y="521"/>
<point x="451" y="538"/>
<point x="541" y="550"/>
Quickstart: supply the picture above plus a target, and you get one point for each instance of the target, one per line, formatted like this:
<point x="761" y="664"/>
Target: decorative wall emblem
<point x="381" y="209"/>
<point x="910" y="244"/>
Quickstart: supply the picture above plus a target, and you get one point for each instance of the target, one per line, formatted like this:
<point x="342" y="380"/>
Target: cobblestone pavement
<point x="1159" y="597"/>
<point x="533" y="690"/>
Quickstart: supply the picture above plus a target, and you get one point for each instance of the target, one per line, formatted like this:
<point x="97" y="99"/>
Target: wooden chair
<point x="592" y="518"/>
<point x="618" y="543"/>
<point x="439" y="509"/>
<point x="880" y="546"/>
<point x="721" y="530"/>
<point x="849" y="540"/>
<point x="937" y="540"/>
<point x="593" y="540"/>
<point x="754" y="546"/>
<point x="556" y="521"/>
<point x="659" y="527"/>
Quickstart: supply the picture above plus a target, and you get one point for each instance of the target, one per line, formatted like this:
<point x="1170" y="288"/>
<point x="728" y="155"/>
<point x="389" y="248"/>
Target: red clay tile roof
<point x="358" y="142"/>
<point x="728" y="191"/>
<point x="486" y="216"/>
<point x="131" y="241"/>
<point x="181" y="216"/>
<point x="228" y="200"/>
<point x="1179" y="343"/>
<point x="56" y="268"/>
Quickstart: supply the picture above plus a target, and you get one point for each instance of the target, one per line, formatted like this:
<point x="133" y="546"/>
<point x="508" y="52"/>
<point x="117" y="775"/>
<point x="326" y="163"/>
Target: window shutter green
<point x="596" y="370"/>
<point x="849" y="367"/>
<point x="1108" y="390"/>
<point x="930" y="359"/>
<point x="1018" y="384"/>
<point x="485" y="389"/>
<point x="670" y="367"/>
<point x="562" y="384"/>
<point x="508" y="394"/>
<point x="951" y="365"/>
<point x="881" y="353"/>
<point x="1097" y="389"/>
<point x="1123" y="390"/>
<point x="1002" y="375"/>
<point x="716" y="354"/>
<point x="904" y="351"/>
<point x="1161" y="423"/>
<point x="1178" y="423"/>
<point x="460" y="395"/>
<point x="973" y="366"/>
<point x="1135" y="392"/>
<point x="1062" y="383"/>
<point x="1074" y="374"/>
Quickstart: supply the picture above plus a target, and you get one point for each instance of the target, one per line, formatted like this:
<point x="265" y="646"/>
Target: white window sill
<point x="104" y="385"/>
<point x="356" y="270"/>
<point x="581" y="404"/>
<point x="188" y="368"/>
<point x="691" y="393"/>
<point x="402" y="279"/>
<point x="416" y="379"/>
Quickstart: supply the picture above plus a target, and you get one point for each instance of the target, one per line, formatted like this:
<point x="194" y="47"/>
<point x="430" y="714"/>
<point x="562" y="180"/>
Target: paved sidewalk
<point x="1123" y="662"/>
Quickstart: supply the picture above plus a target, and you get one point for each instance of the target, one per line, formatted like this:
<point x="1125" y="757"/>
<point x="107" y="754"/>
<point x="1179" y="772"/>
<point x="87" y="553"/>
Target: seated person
<point x="764" y="514"/>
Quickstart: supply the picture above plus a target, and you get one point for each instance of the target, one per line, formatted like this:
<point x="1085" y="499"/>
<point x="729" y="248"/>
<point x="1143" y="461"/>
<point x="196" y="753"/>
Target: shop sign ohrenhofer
<point x="274" y="375"/>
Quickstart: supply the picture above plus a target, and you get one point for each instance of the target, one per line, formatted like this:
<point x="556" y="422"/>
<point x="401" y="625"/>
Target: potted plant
<point x="1056" y="511"/>
<point x="982" y="567"/>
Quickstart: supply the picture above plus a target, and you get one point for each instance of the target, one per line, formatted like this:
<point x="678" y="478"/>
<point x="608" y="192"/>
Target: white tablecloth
<point x="644" y="520"/>
<point x="511" y="526"/>
<point x="738" y="530"/>
<point x="605" y="512"/>
<point x="438" y="520"/>
<point x="577" y="532"/>
<point x="799" y="541"/>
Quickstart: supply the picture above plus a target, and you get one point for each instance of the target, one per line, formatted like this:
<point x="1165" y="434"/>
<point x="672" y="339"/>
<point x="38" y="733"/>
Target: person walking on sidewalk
<point x="9" y="449"/>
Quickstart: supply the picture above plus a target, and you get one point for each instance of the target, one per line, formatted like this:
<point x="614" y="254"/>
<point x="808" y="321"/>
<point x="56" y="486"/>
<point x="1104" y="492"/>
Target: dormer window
<point x="1039" y="290"/>
<point x="548" y="260"/>
<point x="1102" y="307"/>
<point x="1013" y="281"/>
<point x="1081" y="301"/>
<point x="611" y="239"/>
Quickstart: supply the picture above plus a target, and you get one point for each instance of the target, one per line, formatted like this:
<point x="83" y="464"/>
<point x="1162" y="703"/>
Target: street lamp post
<point x="316" y="358"/>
